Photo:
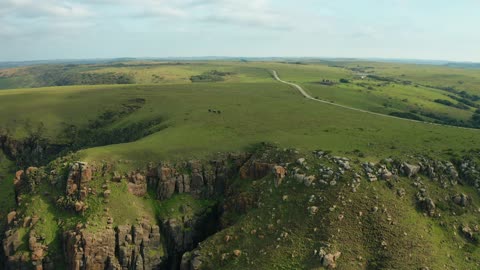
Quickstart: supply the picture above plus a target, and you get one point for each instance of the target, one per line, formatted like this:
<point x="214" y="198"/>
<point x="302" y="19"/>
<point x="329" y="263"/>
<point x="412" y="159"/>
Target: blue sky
<point x="421" y="29"/>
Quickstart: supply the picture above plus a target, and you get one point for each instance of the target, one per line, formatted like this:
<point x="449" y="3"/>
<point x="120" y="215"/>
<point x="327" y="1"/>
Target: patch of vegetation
<point x="210" y="76"/>
<point x="407" y="115"/>
<point x="451" y="104"/>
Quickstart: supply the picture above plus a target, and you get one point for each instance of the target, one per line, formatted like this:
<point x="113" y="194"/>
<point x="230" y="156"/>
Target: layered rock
<point x="137" y="247"/>
<point x="183" y="234"/>
<point x="193" y="177"/>
<point x="90" y="250"/>
<point x="137" y="184"/>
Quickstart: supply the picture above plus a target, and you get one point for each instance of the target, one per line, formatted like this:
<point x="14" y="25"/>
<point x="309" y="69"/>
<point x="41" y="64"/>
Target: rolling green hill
<point x="220" y="128"/>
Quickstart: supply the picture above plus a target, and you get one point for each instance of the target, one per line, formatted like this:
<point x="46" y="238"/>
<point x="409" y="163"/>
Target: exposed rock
<point x="372" y="177"/>
<point x="428" y="205"/>
<point x="411" y="170"/>
<point x="139" y="246"/>
<point x="11" y="217"/>
<point x="279" y="173"/>
<point x="117" y="177"/>
<point x="461" y="199"/>
<point x="80" y="206"/>
<point x="11" y="243"/>
<point x="137" y="184"/>
<point x="329" y="261"/>
<point x="88" y="250"/>
<point x="27" y="221"/>
<point x="37" y="250"/>
<point x="107" y="193"/>
<point x="237" y="253"/>
<point x="167" y="182"/>
<point x="308" y="181"/>
<point x="79" y="176"/>
<point x="255" y="170"/>
<point x="467" y="232"/>
<point x="312" y="210"/>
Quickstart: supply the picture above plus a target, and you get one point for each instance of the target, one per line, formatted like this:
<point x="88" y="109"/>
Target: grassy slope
<point x="346" y="222"/>
<point x="262" y="110"/>
<point x="383" y="98"/>
<point x="258" y="112"/>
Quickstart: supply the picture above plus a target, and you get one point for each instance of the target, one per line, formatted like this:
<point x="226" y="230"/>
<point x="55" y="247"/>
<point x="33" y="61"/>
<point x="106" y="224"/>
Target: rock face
<point x="137" y="184"/>
<point x="86" y="250"/>
<point x="33" y="260"/>
<point x="139" y="248"/>
<point x="25" y="181"/>
<point x="256" y="170"/>
<point x="195" y="178"/>
<point x="78" y="177"/>
<point x="184" y="233"/>
<point x="29" y="151"/>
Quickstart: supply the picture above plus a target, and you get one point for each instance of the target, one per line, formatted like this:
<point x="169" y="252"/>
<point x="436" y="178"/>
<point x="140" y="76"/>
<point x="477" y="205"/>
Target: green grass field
<point x="255" y="108"/>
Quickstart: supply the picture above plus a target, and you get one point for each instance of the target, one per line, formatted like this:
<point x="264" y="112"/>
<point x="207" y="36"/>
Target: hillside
<point x="216" y="165"/>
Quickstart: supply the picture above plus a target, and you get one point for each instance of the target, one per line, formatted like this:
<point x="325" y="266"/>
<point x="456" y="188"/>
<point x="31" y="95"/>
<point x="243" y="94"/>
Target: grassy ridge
<point x="259" y="112"/>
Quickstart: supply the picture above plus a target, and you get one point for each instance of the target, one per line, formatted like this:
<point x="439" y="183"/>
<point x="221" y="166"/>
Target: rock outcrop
<point x="138" y="247"/>
<point x="137" y="184"/>
<point x="195" y="178"/>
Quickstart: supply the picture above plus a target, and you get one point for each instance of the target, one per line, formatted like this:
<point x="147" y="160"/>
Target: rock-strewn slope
<point x="244" y="211"/>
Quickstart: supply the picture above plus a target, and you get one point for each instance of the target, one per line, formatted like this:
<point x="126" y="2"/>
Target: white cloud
<point x="19" y="9"/>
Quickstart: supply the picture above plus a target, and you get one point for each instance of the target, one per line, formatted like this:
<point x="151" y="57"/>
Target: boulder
<point x="11" y="217"/>
<point x="461" y="199"/>
<point x="428" y="205"/>
<point x="411" y="170"/>
<point x="279" y="173"/>
<point x="137" y="184"/>
<point x="329" y="261"/>
<point x="308" y="181"/>
<point x="312" y="210"/>
<point x="80" y="206"/>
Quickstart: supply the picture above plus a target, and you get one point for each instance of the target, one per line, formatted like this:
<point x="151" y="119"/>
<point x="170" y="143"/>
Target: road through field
<point x="308" y="96"/>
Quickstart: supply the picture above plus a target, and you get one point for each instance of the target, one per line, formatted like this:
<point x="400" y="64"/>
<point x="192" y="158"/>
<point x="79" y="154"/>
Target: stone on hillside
<point x="329" y="261"/>
<point x="237" y="253"/>
<point x="386" y="174"/>
<point x="27" y="221"/>
<point x="308" y="181"/>
<point x="461" y="199"/>
<point x="301" y="161"/>
<point x="279" y="173"/>
<point x="137" y="184"/>
<point x="411" y="170"/>
<point x="80" y="206"/>
<point x="312" y="210"/>
<point x="11" y="217"/>
<point x="401" y="192"/>
<point x="428" y="205"/>
<point x="117" y="177"/>
<point x="371" y="177"/>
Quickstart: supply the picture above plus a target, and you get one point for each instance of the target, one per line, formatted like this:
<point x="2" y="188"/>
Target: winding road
<point x="308" y="96"/>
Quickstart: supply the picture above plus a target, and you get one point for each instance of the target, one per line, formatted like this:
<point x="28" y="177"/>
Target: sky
<point x="79" y="29"/>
